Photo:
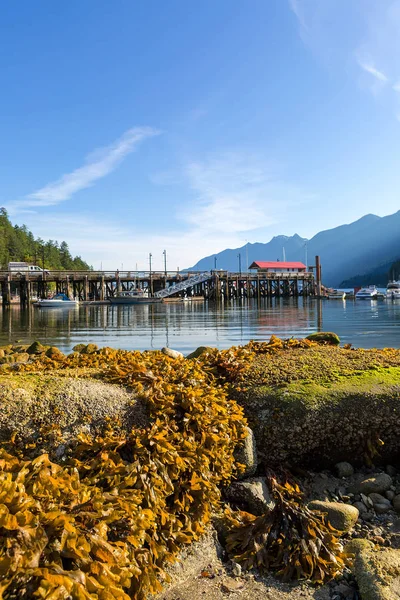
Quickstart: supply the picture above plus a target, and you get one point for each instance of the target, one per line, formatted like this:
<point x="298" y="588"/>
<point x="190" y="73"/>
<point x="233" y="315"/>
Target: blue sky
<point x="133" y="127"/>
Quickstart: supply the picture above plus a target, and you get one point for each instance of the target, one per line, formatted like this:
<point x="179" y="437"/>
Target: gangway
<point x="183" y="285"/>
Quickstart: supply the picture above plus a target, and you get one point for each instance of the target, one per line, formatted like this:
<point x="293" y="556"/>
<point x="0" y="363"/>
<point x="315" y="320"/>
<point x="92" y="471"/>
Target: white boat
<point x="57" y="301"/>
<point x="133" y="297"/>
<point x="367" y="293"/>
<point x="393" y="290"/>
<point x="336" y="295"/>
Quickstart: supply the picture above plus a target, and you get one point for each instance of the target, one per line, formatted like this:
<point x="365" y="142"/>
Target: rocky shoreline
<point x="318" y="420"/>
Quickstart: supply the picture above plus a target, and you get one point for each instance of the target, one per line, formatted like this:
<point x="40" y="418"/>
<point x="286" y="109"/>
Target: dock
<point x="100" y="286"/>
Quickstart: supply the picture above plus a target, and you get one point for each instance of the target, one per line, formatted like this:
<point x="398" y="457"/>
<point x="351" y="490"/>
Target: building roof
<point x="277" y="265"/>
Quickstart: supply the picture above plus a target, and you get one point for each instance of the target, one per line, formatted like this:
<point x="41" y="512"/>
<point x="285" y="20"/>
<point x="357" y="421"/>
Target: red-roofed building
<point x="278" y="267"/>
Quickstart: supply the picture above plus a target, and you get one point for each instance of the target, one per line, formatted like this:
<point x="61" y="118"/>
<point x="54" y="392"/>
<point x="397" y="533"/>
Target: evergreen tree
<point x="18" y="244"/>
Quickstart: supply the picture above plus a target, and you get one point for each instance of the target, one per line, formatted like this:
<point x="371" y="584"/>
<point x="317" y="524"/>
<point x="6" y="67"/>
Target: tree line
<point x="18" y="244"/>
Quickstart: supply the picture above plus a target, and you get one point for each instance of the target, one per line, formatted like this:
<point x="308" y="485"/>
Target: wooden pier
<point x="102" y="285"/>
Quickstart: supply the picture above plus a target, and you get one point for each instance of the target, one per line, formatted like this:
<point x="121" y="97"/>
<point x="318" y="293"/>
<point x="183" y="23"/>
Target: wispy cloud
<point x="297" y="8"/>
<point x="362" y="33"/>
<point x="97" y="165"/>
<point x="237" y="192"/>
<point x="369" y="68"/>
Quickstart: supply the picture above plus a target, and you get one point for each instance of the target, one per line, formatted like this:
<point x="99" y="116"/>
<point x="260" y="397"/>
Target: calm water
<point x="185" y="326"/>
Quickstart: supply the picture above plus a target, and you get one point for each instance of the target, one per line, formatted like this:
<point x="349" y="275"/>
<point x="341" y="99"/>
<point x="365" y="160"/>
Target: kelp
<point x="291" y="540"/>
<point x="104" y="524"/>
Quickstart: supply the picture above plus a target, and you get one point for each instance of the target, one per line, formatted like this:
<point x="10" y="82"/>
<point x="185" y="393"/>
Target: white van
<point x="24" y="268"/>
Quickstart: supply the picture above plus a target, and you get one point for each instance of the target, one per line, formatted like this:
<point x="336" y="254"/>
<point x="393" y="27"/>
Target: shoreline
<point x="106" y="414"/>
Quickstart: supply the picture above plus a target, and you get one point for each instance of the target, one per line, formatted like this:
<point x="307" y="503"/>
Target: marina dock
<point x="100" y="286"/>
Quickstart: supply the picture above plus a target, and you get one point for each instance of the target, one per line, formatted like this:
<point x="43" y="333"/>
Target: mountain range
<point x="350" y="254"/>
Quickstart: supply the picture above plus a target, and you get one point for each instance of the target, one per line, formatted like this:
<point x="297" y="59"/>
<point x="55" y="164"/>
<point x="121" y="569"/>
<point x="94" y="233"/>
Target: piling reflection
<point x="186" y="325"/>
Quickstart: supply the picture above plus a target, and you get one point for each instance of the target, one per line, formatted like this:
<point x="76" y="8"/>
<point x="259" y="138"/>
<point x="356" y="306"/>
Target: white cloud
<point x="369" y="68"/>
<point x="97" y="165"/>
<point x="236" y="197"/>
<point x="362" y="33"/>
<point x="236" y="192"/>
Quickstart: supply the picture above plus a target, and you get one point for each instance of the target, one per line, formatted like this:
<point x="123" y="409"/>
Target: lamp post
<point x="240" y="263"/>
<point x="151" y="281"/>
<point x="165" y="263"/>
<point x="247" y="256"/>
<point x="215" y="263"/>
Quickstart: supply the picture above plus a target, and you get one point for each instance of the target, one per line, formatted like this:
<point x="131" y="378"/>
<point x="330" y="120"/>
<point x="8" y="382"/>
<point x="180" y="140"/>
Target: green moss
<point x="324" y="336"/>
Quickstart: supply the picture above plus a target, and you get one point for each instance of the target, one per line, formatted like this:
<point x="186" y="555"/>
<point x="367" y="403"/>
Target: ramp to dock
<point x="183" y="285"/>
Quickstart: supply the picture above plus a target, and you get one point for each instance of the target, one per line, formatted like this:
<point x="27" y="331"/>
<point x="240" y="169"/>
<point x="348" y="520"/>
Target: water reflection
<point x="185" y="326"/>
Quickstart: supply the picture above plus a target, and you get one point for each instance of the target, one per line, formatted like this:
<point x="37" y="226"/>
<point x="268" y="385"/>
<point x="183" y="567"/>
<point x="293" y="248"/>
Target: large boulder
<point x="31" y="403"/>
<point x="341" y="516"/>
<point x="323" y="405"/>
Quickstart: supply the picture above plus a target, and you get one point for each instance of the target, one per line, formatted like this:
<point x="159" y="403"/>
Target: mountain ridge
<point x="346" y="251"/>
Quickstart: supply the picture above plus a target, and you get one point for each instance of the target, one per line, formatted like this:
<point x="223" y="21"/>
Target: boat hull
<point x="126" y="300"/>
<point x="56" y="304"/>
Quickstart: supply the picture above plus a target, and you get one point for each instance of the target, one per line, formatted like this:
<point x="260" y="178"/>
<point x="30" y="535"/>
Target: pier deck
<point x="102" y="285"/>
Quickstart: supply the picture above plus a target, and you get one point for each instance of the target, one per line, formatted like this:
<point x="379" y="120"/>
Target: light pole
<point x="165" y="263"/>
<point x="215" y="263"/>
<point x="151" y="281"/>
<point x="240" y="263"/>
<point x="247" y="256"/>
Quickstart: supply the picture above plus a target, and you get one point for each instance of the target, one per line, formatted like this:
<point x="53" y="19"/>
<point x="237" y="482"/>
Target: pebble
<point x="344" y="469"/>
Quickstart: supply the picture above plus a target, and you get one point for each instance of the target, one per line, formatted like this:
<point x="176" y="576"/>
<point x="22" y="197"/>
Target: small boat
<point x="134" y="297"/>
<point x="393" y="290"/>
<point x="367" y="293"/>
<point x="57" y="301"/>
<point x="336" y="295"/>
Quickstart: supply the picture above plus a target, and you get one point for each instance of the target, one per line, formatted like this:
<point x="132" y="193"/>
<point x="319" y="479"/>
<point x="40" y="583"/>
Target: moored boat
<point x="134" y="297"/>
<point x="336" y="295"/>
<point x="57" y="301"/>
<point x="367" y="293"/>
<point x="393" y="290"/>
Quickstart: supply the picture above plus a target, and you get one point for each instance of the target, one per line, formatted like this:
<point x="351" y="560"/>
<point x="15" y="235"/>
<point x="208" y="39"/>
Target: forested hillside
<point x="19" y="244"/>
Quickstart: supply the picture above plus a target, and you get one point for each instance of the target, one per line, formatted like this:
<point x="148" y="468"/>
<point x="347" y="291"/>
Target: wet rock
<point x="54" y="353"/>
<point x="390" y="495"/>
<point x="171" y="353"/>
<point x="253" y="494"/>
<point x="360" y="506"/>
<point x="36" y="348"/>
<point x="21" y="357"/>
<point x="390" y="470"/>
<point x="90" y="349"/>
<point x="368" y="516"/>
<point x="379" y="499"/>
<point x="340" y="516"/>
<point x="199" y="351"/>
<point x="324" y="336"/>
<point x="396" y="503"/>
<point x="377" y="484"/>
<point x="79" y="347"/>
<point x="344" y="469"/>
<point x="381" y="509"/>
<point x="246" y="454"/>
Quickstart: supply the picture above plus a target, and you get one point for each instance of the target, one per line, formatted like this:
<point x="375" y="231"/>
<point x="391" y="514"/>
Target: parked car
<point x="24" y="268"/>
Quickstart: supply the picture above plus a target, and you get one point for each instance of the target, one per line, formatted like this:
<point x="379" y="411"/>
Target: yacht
<point x="336" y="295"/>
<point x="367" y="293"/>
<point x="393" y="290"/>
<point x="57" y="301"/>
<point x="136" y="296"/>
